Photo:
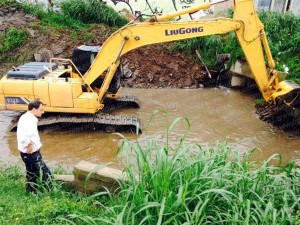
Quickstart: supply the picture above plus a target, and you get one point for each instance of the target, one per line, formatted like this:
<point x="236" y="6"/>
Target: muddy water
<point x="215" y="115"/>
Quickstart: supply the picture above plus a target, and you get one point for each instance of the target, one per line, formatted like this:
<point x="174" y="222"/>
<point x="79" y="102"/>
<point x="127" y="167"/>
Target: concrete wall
<point x="150" y="7"/>
<point x="279" y="5"/>
<point x="295" y="7"/>
<point x="45" y="3"/>
<point x="136" y="7"/>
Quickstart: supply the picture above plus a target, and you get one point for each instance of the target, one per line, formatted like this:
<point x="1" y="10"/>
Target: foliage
<point x="92" y="11"/>
<point x="7" y="2"/>
<point x="283" y="33"/>
<point x="189" y="184"/>
<point x="167" y="184"/>
<point x="12" y="38"/>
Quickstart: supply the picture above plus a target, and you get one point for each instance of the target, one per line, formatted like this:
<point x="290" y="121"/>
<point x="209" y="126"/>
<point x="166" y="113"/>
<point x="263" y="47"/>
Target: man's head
<point x="36" y="107"/>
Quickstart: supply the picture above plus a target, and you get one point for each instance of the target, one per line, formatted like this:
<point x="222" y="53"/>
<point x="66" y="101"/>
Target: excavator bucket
<point x="284" y="112"/>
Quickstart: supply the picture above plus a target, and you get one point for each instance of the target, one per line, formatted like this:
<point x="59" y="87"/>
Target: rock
<point x="136" y="73"/>
<point x="91" y="178"/>
<point x="127" y="73"/>
<point x="150" y="77"/>
<point x="127" y="14"/>
<point x="31" y="32"/>
<point x="13" y="10"/>
<point x="188" y="82"/>
<point x="28" y="16"/>
<point x="44" y="55"/>
<point x="68" y="180"/>
<point x="56" y="49"/>
<point x="37" y="57"/>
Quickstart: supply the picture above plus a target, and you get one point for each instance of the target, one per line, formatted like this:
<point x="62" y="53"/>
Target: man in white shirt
<point x="29" y="145"/>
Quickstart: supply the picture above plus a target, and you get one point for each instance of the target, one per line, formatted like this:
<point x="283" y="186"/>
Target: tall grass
<point x="74" y="14"/>
<point x="53" y="19"/>
<point x="283" y="34"/>
<point x="92" y="11"/>
<point x="48" y="17"/>
<point x="190" y="184"/>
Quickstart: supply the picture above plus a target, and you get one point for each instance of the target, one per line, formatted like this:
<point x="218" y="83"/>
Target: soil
<point x="152" y="66"/>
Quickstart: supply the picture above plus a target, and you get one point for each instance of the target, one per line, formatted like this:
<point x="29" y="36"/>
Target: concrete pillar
<point x="91" y="178"/>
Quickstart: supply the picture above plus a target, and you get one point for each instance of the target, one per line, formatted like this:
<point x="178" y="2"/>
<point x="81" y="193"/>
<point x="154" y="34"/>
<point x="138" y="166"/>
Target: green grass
<point x="54" y="19"/>
<point x="48" y="17"/>
<point x="92" y="11"/>
<point x="74" y="14"/>
<point x="284" y="36"/>
<point x="11" y="39"/>
<point x="176" y="183"/>
<point x="54" y="207"/>
<point x="283" y="33"/>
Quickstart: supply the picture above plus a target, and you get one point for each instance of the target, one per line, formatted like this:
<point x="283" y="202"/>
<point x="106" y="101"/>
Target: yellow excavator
<point x="84" y="94"/>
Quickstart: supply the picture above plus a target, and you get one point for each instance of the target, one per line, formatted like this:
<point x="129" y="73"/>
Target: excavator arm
<point x="137" y="35"/>
<point x="245" y="23"/>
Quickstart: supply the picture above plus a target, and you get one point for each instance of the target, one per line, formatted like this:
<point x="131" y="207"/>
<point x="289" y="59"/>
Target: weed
<point x="104" y="31"/>
<point x="74" y="35"/>
<point x="88" y="37"/>
<point x="259" y="101"/>
<point x="12" y="38"/>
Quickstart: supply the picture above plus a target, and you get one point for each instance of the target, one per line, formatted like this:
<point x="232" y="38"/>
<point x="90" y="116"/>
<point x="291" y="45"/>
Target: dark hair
<point x="35" y="104"/>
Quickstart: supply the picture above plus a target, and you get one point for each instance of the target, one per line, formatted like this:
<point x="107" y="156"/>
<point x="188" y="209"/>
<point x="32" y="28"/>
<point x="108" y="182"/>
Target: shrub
<point x="12" y="38"/>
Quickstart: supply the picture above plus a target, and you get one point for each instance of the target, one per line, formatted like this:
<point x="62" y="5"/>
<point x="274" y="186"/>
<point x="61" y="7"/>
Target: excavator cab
<point x="83" y="57"/>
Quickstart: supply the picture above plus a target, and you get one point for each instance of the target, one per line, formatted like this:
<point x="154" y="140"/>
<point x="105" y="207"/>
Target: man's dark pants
<point x="34" y="165"/>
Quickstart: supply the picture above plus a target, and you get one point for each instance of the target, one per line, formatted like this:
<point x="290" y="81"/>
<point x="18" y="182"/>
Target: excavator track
<point x="124" y="101"/>
<point x="82" y="122"/>
<point x="101" y="121"/>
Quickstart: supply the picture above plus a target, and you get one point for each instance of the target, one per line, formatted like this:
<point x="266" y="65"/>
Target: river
<point x="216" y="115"/>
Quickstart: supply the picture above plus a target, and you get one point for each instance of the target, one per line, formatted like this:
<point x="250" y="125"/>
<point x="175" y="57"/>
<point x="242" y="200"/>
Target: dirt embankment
<point x="148" y="67"/>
